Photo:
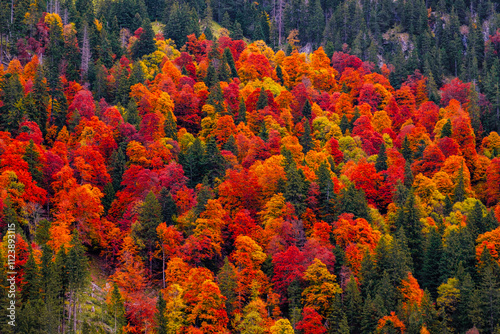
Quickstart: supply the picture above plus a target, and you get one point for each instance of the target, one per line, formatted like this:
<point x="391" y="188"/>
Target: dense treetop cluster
<point x="227" y="186"/>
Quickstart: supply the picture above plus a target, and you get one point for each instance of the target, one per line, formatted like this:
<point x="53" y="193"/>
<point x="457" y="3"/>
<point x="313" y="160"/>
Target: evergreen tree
<point x="40" y="97"/>
<point x="344" y="124"/>
<point x="227" y="57"/>
<point x="408" y="218"/>
<point x="279" y="74"/>
<point x="227" y="282"/>
<point x="211" y="79"/>
<point x="168" y="207"/>
<point x="353" y="304"/>
<point x="381" y="163"/>
<point x="327" y="195"/>
<point x="262" y="101"/>
<point x="459" y="194"/>
<point x="230" y="145"/>
<point x="406" y="150"/>
<point x="170" y="127"/>
<point x="431" y="264"/>
<point x="146" y="43"/>
<point x="353" y="201"/>
<point x="150" y="216"/>
<point x="214" y="162"/>
<point x="11" y="111"/>
<point x="264" y="133"/>
<point x="31" y="156"/>
<point x="408" y="182"/>
<point x="116" y="168"/>
<point x="296" y="184"/>
<point x="242" y="112"/>
<point x="216" y="98"/>
<point x="306" y="140"/>
<point x="116" y="309"/>
<point x="109" y="197"/>
<point x="446" y="130"/>
<point x="307" y="110"/>
<point x="192" y="163"/>
<point x="337" y="319"/>
<point x="76" y="267"/>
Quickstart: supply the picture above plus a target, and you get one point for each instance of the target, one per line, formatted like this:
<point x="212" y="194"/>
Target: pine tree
<point x="76" y="266"/>
<point x="406" y="150"/>
<point x="306" y="140"/>
<point x="32" y="286"/>
<point x="211" y="77"/>
<point x="459" y="194"/>
<point x="40" y="97"/>
<point x="227" y="56"/>
<point x="216" y="98"/>
<point x="381" y="163"/>
<point x="109" y="197"/>
<point x="408" y="181"/>
<point x="116" y="309"/>
<point x="307" y="110"/>
<point x="353" y="201"/>
<point x="446" y="130"/>
<point x="192" y="163"/>
<point x="242" y="112"/>
<point x="337" y="319"/>
<point x="214" y="162"/>
<point x="344" y="124"/>
<point x="279" y="74"/>
<point x="353" y="305"/>
<point x="264" y="133"/>
<point x="150" y="216"/>
<point x="168" y="207"/>
<point x="11" y="111"/>
<point x="170" y="127"/>
<point x="408" y="218"/>
<point x="230" y="145"/>
<point x="146" y="43"/>
<point x="31" y="156"/>
<point x="116" y="168"/>
<point x="327" y="195"/>
<point x="262" y="101"/>
<point x="227" y="283"/>
<point x="432" y="261"/>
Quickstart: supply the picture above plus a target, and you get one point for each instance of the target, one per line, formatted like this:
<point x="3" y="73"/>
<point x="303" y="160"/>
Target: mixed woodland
<point x="244" y="167"/>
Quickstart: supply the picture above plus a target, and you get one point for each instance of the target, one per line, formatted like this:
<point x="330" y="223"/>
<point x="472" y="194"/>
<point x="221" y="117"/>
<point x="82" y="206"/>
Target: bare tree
<point x="85" y="52"/>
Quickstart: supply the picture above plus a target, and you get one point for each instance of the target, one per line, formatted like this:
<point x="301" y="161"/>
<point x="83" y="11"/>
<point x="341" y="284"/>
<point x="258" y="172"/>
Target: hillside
<point x="201" y="176"/>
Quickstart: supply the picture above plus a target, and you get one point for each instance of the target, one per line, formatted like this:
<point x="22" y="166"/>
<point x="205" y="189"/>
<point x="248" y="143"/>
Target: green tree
<point x="170" y="127"/>
<point x="116" y="309"/>
<point x="446" y="130"/>
<point x="306" y="140"/>
<point x="459" y="194"/>
<point x="32" y="157"/>
<point x="150" y="216"/>
<point x="168" y="207"/>
<point x="262" y="102"/>
<point x="77" y="269"/>
<point x="242" y="112"/>
<point x="381" y="163"/>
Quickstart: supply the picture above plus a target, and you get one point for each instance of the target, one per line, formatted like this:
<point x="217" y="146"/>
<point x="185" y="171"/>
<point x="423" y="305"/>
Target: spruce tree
<point x="264" y="133"/>
<point x="446" y="130"/>
<point x="353" y="201"/>
<point x="170" y="127"/>
<point x="214" y="162"/>
<point x="459" y="194"/>
<point x="242" y="112"/>
<point x="262" y="101"/>
<point x="227" y="56"/>
<point x="150" y="216"/>
<point x="306" y="139"/>
<point x="431" y="264"/>
<point x="116" y="309"/>
<point x="344" y="124"/>
<point x="327" y="195"/>
<point x="381" y="163"/>
<point x="230" y="145"/>
<point x="168" y="206"/>
<point x="161" y="320"/>
<point x="211" y="78"/>
<point x="32" y="157"/>
<point x="226" y="278"/>
<point x="116" y="168"/>
<point x="279" y="74"/>
<point x="353" y="304"/>
<point x="41" y="98"/>
<point x="306" y="109"/>
<point x="77" y="268"/>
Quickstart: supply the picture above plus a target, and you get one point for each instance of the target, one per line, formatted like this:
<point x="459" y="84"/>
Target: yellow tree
<point x="321" y="287"/>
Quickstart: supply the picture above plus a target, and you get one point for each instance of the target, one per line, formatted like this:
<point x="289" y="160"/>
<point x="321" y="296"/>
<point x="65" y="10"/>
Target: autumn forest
<point x="220" y="166"/>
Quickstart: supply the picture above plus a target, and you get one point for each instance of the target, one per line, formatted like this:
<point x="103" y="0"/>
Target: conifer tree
<point x="262" y="101"/>
<point x="459" y="194"/>
<point x="344" y="124"/>
<point x="211" y="78"/>
<point x="242" y="112"/>
<point x="170" y="127"/>
<point x="279" y="74"/>
<point x="168" y="207"/>
<point x="31" y="156"/>
<point x="230" y="145"/>
<point x="306" y="109"/>
<point x="353" y="201"/>
<point x="446" y="130"/>
<point x="116" y="308"/>
<point x="381" y="163"/>
<point x="227" y="56"/>
<point x="150" y="216"/>
<point x="306" y="139"/>
<point x="214" y="162"/>
<point x="161" y="320"/>
<point x="227" y="283"/>
<point x="353" y="305"/>
<point x="264" y="133"/>
<point x="431" y="264"/>
<point x="76" y="266"/>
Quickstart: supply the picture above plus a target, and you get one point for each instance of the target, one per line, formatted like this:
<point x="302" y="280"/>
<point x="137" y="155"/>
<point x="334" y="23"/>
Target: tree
<point x="76" y="266"/>
<point x="321" y="287"/>
<point x="116" y="308"/>
<point x="161" y="321"/>
<point x="150" y="216"/>
<point x="282" y="326"/>
<point x="381" y="163"/>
